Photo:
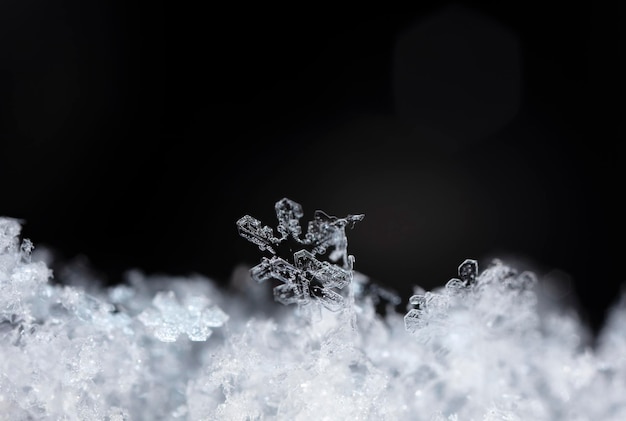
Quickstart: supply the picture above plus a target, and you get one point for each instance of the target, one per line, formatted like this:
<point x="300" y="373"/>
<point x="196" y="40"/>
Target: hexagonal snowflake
<point x="304" y="279"/>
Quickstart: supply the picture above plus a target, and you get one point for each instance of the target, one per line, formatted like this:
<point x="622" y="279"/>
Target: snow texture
<point x="175" y="348"/>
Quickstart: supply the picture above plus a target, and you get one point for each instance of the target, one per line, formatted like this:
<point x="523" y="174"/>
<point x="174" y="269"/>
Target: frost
<point x="480" y="347"/>
<point x="305" y="279"/>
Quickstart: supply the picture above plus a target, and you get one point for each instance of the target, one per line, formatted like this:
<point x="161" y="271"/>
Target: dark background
<point x="134" y="136"/>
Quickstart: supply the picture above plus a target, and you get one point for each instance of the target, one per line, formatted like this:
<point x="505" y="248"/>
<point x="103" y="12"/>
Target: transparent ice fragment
<point x="329" y="275"/>
<point x="329" y="298"/>
<point x="168" y="318"/>
<point x="455" y="286"/>
<point x="326" y="231"/>
<point x="304" y="276"/>
<point x="291" y="293"/>
<point x="413" y="320"/>
<point x="468" y="270"/>
<point x="282" y="270"/>
<point x="417" y="300"/>
<point x="288" y="214"/>
<point x="323" y="232"/>
<point x="252" y="230"/>
<point x="309" y="280"/>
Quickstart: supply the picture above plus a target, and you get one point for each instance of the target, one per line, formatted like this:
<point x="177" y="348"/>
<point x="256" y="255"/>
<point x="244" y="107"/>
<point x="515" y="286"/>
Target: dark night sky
<point x="136" y="136"/>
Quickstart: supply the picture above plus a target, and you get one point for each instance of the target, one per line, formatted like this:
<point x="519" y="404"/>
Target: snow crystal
<point x="305" y="279"/>
<point x="181" y="348"/>
<point x="168" y="319"/>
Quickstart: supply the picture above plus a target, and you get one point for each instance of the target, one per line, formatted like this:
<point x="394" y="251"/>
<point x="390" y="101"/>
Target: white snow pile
<point x="171" y="348"/>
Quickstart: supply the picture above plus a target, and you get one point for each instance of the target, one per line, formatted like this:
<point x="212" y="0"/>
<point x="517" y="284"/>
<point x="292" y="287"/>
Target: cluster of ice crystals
<point x="478" y="348"/>
<point x="487" y="299"/>
<point x="73" y="354"/>
<point x="168" y="319"/>
<point x="305" y="278"/>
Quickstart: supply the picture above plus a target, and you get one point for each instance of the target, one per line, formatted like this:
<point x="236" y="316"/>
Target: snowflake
<point x="305" y="278"/>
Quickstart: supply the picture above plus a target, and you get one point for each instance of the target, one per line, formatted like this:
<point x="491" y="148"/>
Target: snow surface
<point x="171" y="348"/>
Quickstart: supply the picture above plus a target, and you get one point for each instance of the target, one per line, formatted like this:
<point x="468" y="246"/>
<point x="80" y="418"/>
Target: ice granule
<point x="181" y="348"/>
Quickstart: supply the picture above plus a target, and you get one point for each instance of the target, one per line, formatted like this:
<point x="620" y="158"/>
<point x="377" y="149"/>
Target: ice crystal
<point x="478" y="348"/>
<point x="305" y="278"/>
<point x="168" y="319"/>
<point x="472" y="296"/>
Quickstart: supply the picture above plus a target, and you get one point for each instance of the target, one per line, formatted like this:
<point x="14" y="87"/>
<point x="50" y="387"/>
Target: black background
<point x="134" y="136"/>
